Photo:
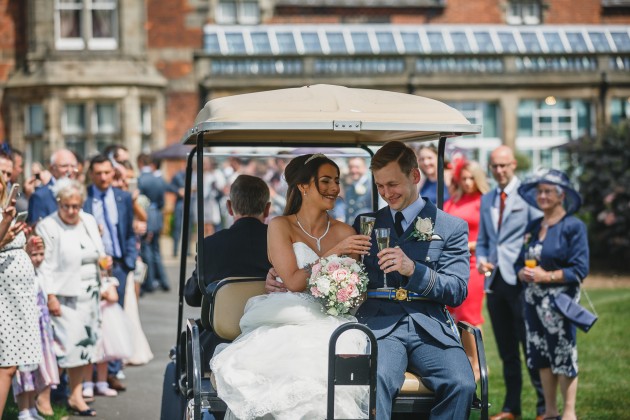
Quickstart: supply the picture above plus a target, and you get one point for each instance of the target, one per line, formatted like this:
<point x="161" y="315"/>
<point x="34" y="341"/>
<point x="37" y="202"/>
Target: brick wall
<point x="166" y="25"/>
<point x="181" y="110"/>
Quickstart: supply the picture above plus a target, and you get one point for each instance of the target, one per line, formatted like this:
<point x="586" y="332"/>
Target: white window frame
<point x="515" y="13"/>
<point x="89" y="132"/>
<point x="239" y="16"/>
<point x="86" y="40"/>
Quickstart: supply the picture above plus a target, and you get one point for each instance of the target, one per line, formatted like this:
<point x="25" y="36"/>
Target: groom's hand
<point x="271" y="284"/>
<point x="394" y="259"/>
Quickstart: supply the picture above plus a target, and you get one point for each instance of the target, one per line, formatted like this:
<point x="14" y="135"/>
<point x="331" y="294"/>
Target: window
<point x="412" y="43"/>
<point x="260" y="41"/>
<point x="286" y="43"/>
<point x="553" y="118"/>
<point x="245" y="12"/>
<point x="484" y="113"/>
<point x="34" y="120"/>
<point x="86" y="24"/>
<point x="619" y="110"/>
<point x="311" y="43"/>
<point x="361" y="42"/>
<point x="146" y="125"/>
<point x="524" y="12"/>
<point x="90" y="126"/>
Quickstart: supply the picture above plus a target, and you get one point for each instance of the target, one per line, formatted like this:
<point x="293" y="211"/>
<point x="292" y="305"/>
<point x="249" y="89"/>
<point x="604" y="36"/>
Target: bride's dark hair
<point x="300" y="171"/>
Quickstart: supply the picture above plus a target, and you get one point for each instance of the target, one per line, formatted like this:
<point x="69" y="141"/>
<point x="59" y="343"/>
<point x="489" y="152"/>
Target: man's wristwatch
<point x="553" y="276"/>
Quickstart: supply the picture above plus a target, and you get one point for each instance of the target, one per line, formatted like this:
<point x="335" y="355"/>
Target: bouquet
<point x="337" y="282"/>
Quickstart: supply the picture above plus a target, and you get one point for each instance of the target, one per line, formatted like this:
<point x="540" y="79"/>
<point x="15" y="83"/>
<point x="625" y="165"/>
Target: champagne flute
<point x="382" y="240"/>
<point x="367" y="225"/>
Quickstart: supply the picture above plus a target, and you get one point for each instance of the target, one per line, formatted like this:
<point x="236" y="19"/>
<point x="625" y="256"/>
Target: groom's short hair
<point x="395" y="151"/>
<point x="249" y="195"/>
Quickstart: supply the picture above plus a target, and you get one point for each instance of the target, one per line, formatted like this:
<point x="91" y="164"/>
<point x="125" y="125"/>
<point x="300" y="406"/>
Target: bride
<point x="277" y="367"/>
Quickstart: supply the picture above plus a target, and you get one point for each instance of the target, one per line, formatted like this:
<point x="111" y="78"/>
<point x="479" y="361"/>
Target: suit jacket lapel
<point x="429" y="210"/>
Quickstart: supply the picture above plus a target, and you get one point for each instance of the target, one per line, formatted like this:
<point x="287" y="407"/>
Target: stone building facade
<point x="85" y="73"/>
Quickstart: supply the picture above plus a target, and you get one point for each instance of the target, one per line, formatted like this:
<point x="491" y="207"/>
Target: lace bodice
<point x="304" y="254"/>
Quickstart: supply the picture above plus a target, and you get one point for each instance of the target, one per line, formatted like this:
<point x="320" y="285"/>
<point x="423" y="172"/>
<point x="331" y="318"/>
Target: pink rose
<point x="343" y="295"/>
<point x="348" y="261"/>
<point x="332" y="266"/>
<point x="340" y="274"/>
<point x="316" y="269"/>
<point x="315" y="292"/>
<point x="354" y="278"/>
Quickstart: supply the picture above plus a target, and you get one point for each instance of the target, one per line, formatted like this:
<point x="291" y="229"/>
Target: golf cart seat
<point x="222" y="309"/>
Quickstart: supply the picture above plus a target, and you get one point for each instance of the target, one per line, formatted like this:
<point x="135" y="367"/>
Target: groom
<point x="430" y="266"/>
<point x="427" y="265"/>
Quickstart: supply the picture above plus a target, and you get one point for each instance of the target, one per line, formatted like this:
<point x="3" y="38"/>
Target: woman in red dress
<point x="469" y="184"/>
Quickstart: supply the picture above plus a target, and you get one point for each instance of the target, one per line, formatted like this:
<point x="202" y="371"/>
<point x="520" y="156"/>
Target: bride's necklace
<point x="318" y="240"/>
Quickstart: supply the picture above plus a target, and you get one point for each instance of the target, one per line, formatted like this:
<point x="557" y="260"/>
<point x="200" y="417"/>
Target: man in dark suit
<point x="358" y="189"/>
<point x="504" y="216"/>
<point x="63" y="163"/>
<point x="113" y="210"/>
<point x="177" y="187"/>
<point x="240" y="251"/>
<point x="427" y="267"/>
<point x="153" y="187"/>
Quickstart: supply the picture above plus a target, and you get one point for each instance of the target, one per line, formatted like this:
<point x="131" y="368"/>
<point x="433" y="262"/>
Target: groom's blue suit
<point x="420" y="335"/>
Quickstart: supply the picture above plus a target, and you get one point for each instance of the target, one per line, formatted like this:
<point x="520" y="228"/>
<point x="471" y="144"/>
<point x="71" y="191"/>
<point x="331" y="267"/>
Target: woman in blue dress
<point x="554" y="259"/>
<point x="428" y="162"/>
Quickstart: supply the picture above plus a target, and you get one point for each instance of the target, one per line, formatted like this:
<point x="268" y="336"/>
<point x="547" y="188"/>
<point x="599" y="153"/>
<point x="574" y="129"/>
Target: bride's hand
<point x="271" y="284"/>
<point x="355" y="244"/>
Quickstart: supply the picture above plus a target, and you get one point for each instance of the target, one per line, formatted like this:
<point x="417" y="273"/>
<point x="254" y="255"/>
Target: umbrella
<point x="174" y="151"/>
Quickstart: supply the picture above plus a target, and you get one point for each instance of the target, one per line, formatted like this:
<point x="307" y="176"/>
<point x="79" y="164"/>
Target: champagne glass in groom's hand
<point x="382" y="240"/>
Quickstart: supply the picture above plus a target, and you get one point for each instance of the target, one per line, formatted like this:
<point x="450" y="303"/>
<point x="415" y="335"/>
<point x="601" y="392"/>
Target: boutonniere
<point x="422" y="229"/>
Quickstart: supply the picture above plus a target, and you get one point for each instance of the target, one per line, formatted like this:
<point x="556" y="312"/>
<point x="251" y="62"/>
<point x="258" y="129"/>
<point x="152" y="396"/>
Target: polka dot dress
<point x="20" y="341"/>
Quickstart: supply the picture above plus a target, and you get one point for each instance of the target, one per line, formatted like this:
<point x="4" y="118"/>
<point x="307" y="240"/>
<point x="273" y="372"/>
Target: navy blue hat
<point x="572" y="199"/>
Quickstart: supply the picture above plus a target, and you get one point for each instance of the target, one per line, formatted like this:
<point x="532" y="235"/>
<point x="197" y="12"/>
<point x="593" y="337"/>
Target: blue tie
<point x="110" y="228"/>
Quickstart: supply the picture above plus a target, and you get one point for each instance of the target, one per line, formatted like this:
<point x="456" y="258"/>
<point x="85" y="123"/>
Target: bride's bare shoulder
<point x="342" y="228"/>
<point x="280" y="222"/>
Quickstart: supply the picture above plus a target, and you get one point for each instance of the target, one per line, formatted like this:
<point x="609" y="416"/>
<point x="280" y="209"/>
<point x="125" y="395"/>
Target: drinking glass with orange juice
<point x="530" y="259"/>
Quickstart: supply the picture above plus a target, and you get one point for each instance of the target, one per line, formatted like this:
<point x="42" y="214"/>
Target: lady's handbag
<point x="574" y="312"/>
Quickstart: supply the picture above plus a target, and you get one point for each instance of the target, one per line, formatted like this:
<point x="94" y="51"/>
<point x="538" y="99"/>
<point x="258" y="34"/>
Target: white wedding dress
<point x="278" y="367"/>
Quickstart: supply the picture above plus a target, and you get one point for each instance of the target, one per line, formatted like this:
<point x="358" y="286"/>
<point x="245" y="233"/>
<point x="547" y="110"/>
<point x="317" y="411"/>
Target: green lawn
<point x="603" y="357"/>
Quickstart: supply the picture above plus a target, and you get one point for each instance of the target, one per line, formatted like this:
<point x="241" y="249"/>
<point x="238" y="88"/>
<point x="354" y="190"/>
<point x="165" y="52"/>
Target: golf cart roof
<point x="325" y="115"/>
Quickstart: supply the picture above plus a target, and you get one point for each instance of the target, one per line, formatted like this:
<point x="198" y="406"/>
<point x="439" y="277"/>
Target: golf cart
<point x="321" y="116"/>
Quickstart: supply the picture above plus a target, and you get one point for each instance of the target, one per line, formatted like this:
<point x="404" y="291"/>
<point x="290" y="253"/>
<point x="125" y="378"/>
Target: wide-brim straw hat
<point x="572" y="199"/>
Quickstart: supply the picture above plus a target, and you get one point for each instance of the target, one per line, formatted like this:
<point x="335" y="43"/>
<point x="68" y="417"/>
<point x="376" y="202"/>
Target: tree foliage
<point x="604" y="177"/>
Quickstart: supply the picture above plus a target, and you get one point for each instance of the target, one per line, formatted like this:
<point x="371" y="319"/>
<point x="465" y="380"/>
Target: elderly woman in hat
<point x="554" y="260"/>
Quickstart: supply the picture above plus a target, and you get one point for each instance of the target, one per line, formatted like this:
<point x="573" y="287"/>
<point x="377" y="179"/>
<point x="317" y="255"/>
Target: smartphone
<point x="132" y="185"/>
<point x="13" y="193"/>
<point x="21" y="217"/>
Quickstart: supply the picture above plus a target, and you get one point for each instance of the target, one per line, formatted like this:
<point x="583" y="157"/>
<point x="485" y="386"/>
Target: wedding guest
<point x="73" y="247"/>
<point x="558" y="241"/>
<point x="427" y="160"/>
<point x="19" y="335"/>
<point x="32" y="389"/>
<point x="469" y="183"/>
<point x="504" y="216"/>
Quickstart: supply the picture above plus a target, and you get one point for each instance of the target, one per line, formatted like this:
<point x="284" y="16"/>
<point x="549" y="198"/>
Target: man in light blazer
<point x="113" y="210"/>
<point x="498" y="246"/>
<point x="428" y="262"/>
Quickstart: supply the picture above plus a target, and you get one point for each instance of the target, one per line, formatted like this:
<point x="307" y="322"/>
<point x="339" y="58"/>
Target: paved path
<point x="158" y="313"/>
